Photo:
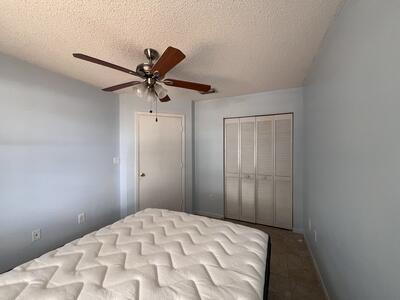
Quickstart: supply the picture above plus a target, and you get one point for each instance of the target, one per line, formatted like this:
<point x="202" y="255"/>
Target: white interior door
<point x="160" y="161"/>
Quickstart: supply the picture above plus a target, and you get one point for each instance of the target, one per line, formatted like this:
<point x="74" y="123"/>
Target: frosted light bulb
<point x="160" y="90"/>
<point x="150" y="97"/>
<point x="141" y="90"/>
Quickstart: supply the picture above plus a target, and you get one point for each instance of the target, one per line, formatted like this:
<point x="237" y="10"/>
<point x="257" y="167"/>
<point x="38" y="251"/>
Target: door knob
<point x="142" y="174"/>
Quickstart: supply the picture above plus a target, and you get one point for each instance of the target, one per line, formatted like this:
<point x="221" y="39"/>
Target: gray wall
<point x="209" y="116"/>
<point x="57" y="140"/>
<point x="352" y="167"/>
<point x="129" y="105"/>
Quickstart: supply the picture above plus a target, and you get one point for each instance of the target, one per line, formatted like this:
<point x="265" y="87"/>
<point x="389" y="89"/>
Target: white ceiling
<point x="239" y="47"/>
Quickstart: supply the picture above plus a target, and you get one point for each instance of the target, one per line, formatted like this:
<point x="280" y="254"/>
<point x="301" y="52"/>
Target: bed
<point x="153" y="254"/>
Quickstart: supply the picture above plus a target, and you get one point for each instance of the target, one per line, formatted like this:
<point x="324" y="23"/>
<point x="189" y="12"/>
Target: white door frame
<point x="137" y="166"/>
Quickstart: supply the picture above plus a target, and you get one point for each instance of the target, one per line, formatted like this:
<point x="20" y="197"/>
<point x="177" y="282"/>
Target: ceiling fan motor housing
<point x="144" y="69"/>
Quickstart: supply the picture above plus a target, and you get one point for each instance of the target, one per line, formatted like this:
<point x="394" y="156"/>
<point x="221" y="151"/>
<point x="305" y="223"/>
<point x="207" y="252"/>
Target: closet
<point x="258" y="169"/>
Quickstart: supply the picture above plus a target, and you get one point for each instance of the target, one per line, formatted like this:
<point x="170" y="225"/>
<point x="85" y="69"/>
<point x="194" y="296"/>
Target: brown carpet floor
<point x="293" y="276"/>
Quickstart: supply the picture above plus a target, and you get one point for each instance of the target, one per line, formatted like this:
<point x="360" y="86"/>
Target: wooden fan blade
<point x="165" y="99"/>
<point x="169" y="59"/>
<point x="187" y="85"/>
<point x="104" y="63"/>
<point x="121" y="86"/>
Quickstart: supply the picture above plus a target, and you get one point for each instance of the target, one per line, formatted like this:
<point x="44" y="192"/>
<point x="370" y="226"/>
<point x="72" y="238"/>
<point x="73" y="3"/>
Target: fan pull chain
<point x="151" y="107"/>
<point x="156" y="112"/>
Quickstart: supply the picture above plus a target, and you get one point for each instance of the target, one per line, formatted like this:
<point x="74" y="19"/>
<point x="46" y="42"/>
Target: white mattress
<point x="154" y="254"/>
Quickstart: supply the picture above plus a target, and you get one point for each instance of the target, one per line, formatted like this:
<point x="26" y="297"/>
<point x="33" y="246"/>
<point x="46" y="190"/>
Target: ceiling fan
<point x="152" y="74"/>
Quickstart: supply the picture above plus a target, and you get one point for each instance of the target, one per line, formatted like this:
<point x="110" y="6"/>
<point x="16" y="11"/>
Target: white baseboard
<point x="317" y="268"/>
<point x="208" y="214"/>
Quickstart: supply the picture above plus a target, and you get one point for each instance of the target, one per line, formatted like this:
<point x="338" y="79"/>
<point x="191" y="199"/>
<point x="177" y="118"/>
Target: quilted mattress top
<point x="153" y="254"/>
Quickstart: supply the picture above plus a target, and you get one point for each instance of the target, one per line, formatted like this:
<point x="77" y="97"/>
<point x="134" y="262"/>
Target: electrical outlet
<point x="315" y="235"/>
<point x="309" y="224"/>
<point x="36" y="235"/>
<point x="81" y="218"/>
<point x="115" y="160"/>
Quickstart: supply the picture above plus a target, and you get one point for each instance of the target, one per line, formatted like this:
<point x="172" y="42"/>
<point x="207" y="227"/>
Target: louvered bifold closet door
<point x="258" y="169"/>
<point x="283" y="171"/>
<point x="265" y="170"/>
<point x="247" y="169"/>
<point x="232" y="174"/>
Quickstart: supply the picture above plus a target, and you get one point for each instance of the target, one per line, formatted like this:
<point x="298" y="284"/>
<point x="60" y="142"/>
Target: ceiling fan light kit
<point x="152" y="75"/>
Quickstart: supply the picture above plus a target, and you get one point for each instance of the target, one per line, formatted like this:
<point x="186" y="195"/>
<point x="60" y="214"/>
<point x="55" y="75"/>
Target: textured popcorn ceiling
<point x="239" y="47"/>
